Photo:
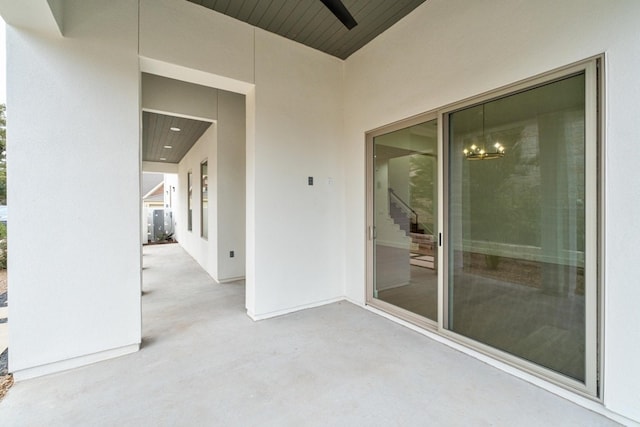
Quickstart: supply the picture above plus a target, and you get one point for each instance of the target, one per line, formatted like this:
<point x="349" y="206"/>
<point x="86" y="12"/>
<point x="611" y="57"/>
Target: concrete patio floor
<point x="204" y="362"/>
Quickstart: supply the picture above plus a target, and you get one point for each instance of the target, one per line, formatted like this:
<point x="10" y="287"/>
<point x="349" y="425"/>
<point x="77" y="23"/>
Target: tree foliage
<point x="3" y="154"/>
<point x="422" y="185"/>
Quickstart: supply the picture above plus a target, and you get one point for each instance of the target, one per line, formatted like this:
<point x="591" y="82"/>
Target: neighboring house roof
<point x="156" y="193"/>
<point x="154" y="198"/>
<point x="150" y="181"/>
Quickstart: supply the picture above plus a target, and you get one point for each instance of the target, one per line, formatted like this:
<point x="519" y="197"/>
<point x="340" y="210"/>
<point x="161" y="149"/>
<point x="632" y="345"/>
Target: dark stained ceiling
<point x="157" y="136"/>
<point x="311" y="23"/>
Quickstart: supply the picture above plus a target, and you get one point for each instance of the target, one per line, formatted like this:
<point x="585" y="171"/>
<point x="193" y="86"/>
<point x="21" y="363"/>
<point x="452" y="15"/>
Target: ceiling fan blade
<point x="340" y="11"/>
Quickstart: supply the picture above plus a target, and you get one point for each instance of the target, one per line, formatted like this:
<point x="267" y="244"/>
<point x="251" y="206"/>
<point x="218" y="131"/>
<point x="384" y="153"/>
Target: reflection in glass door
<point x="516" y="225"/>
<point x="405" y="211"/>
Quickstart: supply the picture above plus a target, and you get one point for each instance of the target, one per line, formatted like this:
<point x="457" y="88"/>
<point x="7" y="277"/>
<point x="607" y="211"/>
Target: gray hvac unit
<point x="160" y="225"/>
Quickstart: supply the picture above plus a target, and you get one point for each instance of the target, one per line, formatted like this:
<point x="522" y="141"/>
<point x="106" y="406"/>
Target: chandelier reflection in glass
<point x="481" y="153"/>
<point x="477" y="152"/>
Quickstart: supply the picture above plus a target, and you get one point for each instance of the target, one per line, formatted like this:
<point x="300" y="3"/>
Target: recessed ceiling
<point x="311" y="23"/>
<point x="161" y="144"/>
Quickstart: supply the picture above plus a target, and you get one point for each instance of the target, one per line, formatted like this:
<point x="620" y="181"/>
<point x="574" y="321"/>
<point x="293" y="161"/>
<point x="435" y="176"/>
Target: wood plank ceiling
<point x="161" y="144"/>
<point x="309" y="22"/>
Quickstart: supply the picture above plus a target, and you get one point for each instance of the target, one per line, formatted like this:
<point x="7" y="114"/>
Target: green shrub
<point x="3" y="245"/>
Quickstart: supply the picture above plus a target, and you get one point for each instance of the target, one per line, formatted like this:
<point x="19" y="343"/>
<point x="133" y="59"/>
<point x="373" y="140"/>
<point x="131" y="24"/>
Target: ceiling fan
<point x="340" y="11"/>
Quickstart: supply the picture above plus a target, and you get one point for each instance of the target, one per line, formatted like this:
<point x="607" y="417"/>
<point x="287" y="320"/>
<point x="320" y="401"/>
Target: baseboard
<point x="76" y="362"/>
<point x="354" y="302"/>
<point x="257" y="317"/>
<point x="231" y="279"/>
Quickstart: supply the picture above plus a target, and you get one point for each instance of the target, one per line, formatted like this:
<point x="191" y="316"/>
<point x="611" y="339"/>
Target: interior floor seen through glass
<point x="405" y="219"/>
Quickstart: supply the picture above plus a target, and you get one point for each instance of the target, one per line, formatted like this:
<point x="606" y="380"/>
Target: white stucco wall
<point x="294" y="125"/>
<point x="226" y="163"/>
<point x="170" y="189"/>
<point x="230" y="190"/>
<point x="399" y="179"/>
<point x="37" y="16"/>
<point x="299" y="256"/>
<point x="183" y="33"/>
<point x="446" y="51"/>
<point x="57" y="10"/>
<point x="223" y="146"/>
<point x="306" y="116"/>
<point x="159" y="167"/>
<point x="74" y="264"/>
<point x="204" y="251"/>
<point x="161" y="94"/>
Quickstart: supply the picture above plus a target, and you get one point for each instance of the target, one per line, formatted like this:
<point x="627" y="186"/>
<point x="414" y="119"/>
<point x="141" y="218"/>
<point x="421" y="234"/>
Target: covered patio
<point x="204" y="361"/>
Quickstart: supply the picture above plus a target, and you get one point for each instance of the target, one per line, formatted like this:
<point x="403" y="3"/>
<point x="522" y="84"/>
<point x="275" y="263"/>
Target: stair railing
<point x="413" y="215"/>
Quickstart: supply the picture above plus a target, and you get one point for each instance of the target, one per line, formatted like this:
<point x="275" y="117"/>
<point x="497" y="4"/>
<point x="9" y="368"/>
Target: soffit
<point x="309" y="22"/>
<point x="157" y="136"/>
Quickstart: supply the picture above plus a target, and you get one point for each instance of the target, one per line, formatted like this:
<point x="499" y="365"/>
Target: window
<point x="204" y="201"/>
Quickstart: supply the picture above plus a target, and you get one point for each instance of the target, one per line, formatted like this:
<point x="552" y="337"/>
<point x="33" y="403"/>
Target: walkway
<point x="204" y="362"/>
<point x="4" y="337"/>
<point x="4" y="326"/>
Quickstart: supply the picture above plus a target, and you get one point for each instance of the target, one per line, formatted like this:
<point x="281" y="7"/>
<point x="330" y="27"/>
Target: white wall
<point x="170" y="189"/>
<point x="74" y="265"/>
<point x="230" y="190"/>
<point x="204" y="251"/>
<point x="304" y="243"/>
<point x="57" y="10"/>
<point x="183" y="33"/>
<point x="161" y="94"/>
<point x="295" y="254"/>
<point x="299" y="256"/>
<point x="446" y="51"/>
<point x="36" y="16"/>
<point x="399" y="168"/>
<point x="223" y="146"/>
<point x="226" y="157"/>
<point x="159" y="167"/>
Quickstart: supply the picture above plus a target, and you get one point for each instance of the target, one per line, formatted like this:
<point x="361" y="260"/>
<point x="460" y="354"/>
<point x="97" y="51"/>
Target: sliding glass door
<point x="404" y="203"/>
<point x="516" y="224"/>
<point x="513" y="177"/>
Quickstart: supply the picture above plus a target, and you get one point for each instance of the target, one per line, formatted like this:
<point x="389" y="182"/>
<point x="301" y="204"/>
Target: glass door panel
<point x="516" y="225"/>
<point x="405" y="212"/>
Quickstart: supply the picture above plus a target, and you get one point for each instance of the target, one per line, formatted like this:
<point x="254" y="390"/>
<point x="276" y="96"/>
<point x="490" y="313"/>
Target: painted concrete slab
<point x="204" y="362"/>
